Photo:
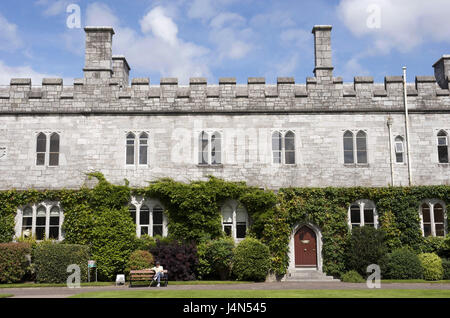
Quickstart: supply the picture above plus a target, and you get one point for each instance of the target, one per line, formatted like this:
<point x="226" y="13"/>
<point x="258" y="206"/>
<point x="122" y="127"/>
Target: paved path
<point x="62" y="292"/>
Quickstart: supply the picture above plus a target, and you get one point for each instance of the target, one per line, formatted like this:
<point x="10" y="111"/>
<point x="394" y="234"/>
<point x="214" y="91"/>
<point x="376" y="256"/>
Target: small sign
<point x="92" y="264"/>
<point x="305" y="241"/>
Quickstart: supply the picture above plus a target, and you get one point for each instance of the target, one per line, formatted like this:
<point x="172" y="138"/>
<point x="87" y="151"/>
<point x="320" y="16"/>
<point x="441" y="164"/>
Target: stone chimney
<point x="323" y="68"/>
<point x="121" y="69"/>
<point x="442" y="71"/>
<point x="98" y="65"/>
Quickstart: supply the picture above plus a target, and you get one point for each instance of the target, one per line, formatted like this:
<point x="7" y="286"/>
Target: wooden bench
<point x="142" y="275"/>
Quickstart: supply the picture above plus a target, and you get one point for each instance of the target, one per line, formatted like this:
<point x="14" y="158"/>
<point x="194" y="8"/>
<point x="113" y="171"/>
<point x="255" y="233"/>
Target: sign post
<point x="92" y="264"/>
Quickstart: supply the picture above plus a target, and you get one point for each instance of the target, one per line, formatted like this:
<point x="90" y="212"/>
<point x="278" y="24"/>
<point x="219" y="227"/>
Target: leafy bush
<point x="140" y="260"/>
<point x="52" y="259"/>
<point x="251" y="260"/>
<point x="446" y="268"/>
<point x="432" y="244"/>
<point x="402" y="263"/>
<point x="145" y="242"/>
<point x="179" y="258"/>
<point x="352" y="277"/>
<point x="366" y="247"/>
<point x="13" y="261"/>
<point x="432" y="266"/>
<point x="215" y="258"/>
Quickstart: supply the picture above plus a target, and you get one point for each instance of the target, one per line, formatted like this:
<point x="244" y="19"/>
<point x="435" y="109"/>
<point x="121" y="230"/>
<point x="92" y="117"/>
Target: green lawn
<point x="372" y="293"/>
<point x="5" y="295"/>
<point x="37" y="285"/>
<point x="413" y="281"/>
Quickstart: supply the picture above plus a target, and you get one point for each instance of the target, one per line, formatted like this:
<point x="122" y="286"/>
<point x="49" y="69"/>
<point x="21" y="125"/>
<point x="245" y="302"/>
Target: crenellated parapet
<point x="106" y="87"/>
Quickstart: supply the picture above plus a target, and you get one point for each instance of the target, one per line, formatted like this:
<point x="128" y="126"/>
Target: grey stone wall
<point x="94" y="115"/>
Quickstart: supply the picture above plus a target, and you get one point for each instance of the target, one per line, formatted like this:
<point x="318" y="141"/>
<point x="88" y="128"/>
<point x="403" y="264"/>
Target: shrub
<point x="13" y="261"/>
<point x="112" y="242"/>
<point x="52" y="259"/>
<point x="432" y="244"/>
<point x="352" y="277"/>
<point x="215" y="258"/>
<point x="179" y="258"/>
<point x="446" y="268"/>
<point x="366" y="247"/>
<point x="432" y="266"/>
<point x="251" y="260"/>
<point x="145" y="242"/>
<point x="402" y="263"/>
<point x="139" y="260"/>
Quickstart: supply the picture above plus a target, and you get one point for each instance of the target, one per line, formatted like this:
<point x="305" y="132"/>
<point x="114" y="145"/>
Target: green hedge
<point x="432" y="266"/>
<point x="215" y="258"/>
<point x="13" y="261"/>
<point x="402" y="263"/>
<point x="352" y="277"/>
<point x="51" y="261"/>
<point x="251" y="260"/>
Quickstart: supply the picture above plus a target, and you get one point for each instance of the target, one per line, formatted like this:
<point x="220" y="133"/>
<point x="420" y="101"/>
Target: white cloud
<point x="160" y="25"/>
<point x="403" y="24"/>
<point x="9" y="36"/>
<point x="54" y="7"/>
<point x="8" y="72"/>
<point x="99" y="14"/>
<point x="296" y="37"/>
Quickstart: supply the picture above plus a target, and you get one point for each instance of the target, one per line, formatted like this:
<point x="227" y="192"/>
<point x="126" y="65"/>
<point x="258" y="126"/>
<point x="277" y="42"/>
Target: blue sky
<point x="227" y="38"/>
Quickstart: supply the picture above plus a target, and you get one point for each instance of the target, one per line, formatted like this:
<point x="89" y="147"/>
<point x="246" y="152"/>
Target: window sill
<point x="443" y="164"/>
<point x="357" y="165"/>
<point x="215" y="166"/>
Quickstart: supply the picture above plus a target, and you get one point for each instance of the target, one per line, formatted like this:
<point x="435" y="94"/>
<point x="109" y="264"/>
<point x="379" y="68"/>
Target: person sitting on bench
<point x="159" y="273"/>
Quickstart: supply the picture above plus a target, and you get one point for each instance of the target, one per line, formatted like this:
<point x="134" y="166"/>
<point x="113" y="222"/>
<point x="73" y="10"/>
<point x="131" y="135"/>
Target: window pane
<point x="203" y="151"/>
<point x="368" y="216"/>
<point x="443" y="154"/>
<point x="40" y="233"/>
<point x="399" y="157"/>
<point x="27" y="222"/>
<point x="290" y="157"/>
<point x="54" y="143"/>
<point x="143" y="149"/>
<point x="132" y="210"/>
<point x="144" y="230"/>
<point x="361" y="147"/>
<point x="157" y="215"/>
<point x="355" y="214"/>
<point x="438" y="214"/>
<point x="348" y="147"/>
<point x="241" y="230"/>
<point x="427" y="229"/>
<point x="54" y="159"/>
<point x="144" y="215"/>
<point x="54" y="221"/>
<point x="41" y="145"/>
<point x="157" y="230"/>
<point x="426" y="213"/>
<point x="227" y="230"/>
<point x="440" y="230"/>
<point x="40" y="159"/>
<point x="130" y="149"/>
<point x="54" y="232"/>
<point x="216" y="148"/>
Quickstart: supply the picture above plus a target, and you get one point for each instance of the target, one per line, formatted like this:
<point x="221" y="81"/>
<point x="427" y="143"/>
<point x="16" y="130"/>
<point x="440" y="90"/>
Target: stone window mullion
<point x="150" y="230"/>
<point x="47" y="221"/>
<point x="233" y="230"/>
<point x="433" y="226"/>
<point x="33" y="227"/>
<point x="138" y="220"/>
<point x="361" y="211"/>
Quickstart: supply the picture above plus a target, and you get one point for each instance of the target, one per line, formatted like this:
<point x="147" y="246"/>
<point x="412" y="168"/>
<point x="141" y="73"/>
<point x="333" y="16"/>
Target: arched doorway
<point x="305" y="247"/>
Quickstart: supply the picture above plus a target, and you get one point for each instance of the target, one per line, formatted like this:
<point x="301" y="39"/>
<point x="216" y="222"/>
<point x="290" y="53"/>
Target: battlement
<point x="106" y="87"/>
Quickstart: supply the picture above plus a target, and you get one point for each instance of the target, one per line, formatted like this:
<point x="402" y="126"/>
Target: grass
<point x="372" y="293"/>
<point x="414" y="281"/>
<point x="37" y="285"/>
<point x="5" y="295"/>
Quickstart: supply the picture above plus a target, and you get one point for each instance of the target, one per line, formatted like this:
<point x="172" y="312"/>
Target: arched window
<point x="234" y="220"/>
<point x="54" y="226"/>
<point x="362" y="213"/>
<point x="158" y="221"/>
<point x="54" y="150"/>
<point x="289" y="147"/>
<point x="349" y="156"/>
<point x="41" y="149"/>
<point x="130" y="148"/>
<point x="143" y="148"/>
<point x="216" y="148"/>
<point x="277" y="147"/>
<point x="442" y="139"/>
<point x="433" y="218"/>
<point x="203" y="154"/>
<point x="144" y="220"/>
<point x="361" y="147"/>
<point x="399" y="150"/>
<point x="27" y="222"/>
<point x="41" y="222"/>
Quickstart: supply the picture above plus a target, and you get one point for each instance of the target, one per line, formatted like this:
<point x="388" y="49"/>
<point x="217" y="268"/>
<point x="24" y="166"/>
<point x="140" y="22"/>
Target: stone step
<point x="308" y="275"/>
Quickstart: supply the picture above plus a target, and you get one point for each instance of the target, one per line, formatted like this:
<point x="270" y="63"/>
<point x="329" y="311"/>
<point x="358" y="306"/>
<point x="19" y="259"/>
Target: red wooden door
<point x="305" y="247"/>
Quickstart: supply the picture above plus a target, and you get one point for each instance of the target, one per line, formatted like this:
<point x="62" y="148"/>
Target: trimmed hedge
<point x="13" y="261"/>
<point x="432" y="266"/>
<point x="139" y="260"/>
<point x="179" y="258"/>
<point x="251" y="260"/>
<point x="52" y="259"/>
<point x="446" y="268"/>
<point x="366" y="246"/>
<point x="402" y="263"/>
<point x="215" y="258"/>
<point x="352" y="277"/>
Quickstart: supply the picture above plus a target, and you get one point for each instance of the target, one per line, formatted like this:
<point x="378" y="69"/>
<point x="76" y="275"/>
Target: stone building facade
<point x="93" y="118"/>
<point x="316" y="134"/>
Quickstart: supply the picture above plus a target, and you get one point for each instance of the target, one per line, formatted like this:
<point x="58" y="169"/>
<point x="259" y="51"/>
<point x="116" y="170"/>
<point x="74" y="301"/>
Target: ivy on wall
<point x="99" y="217"/>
